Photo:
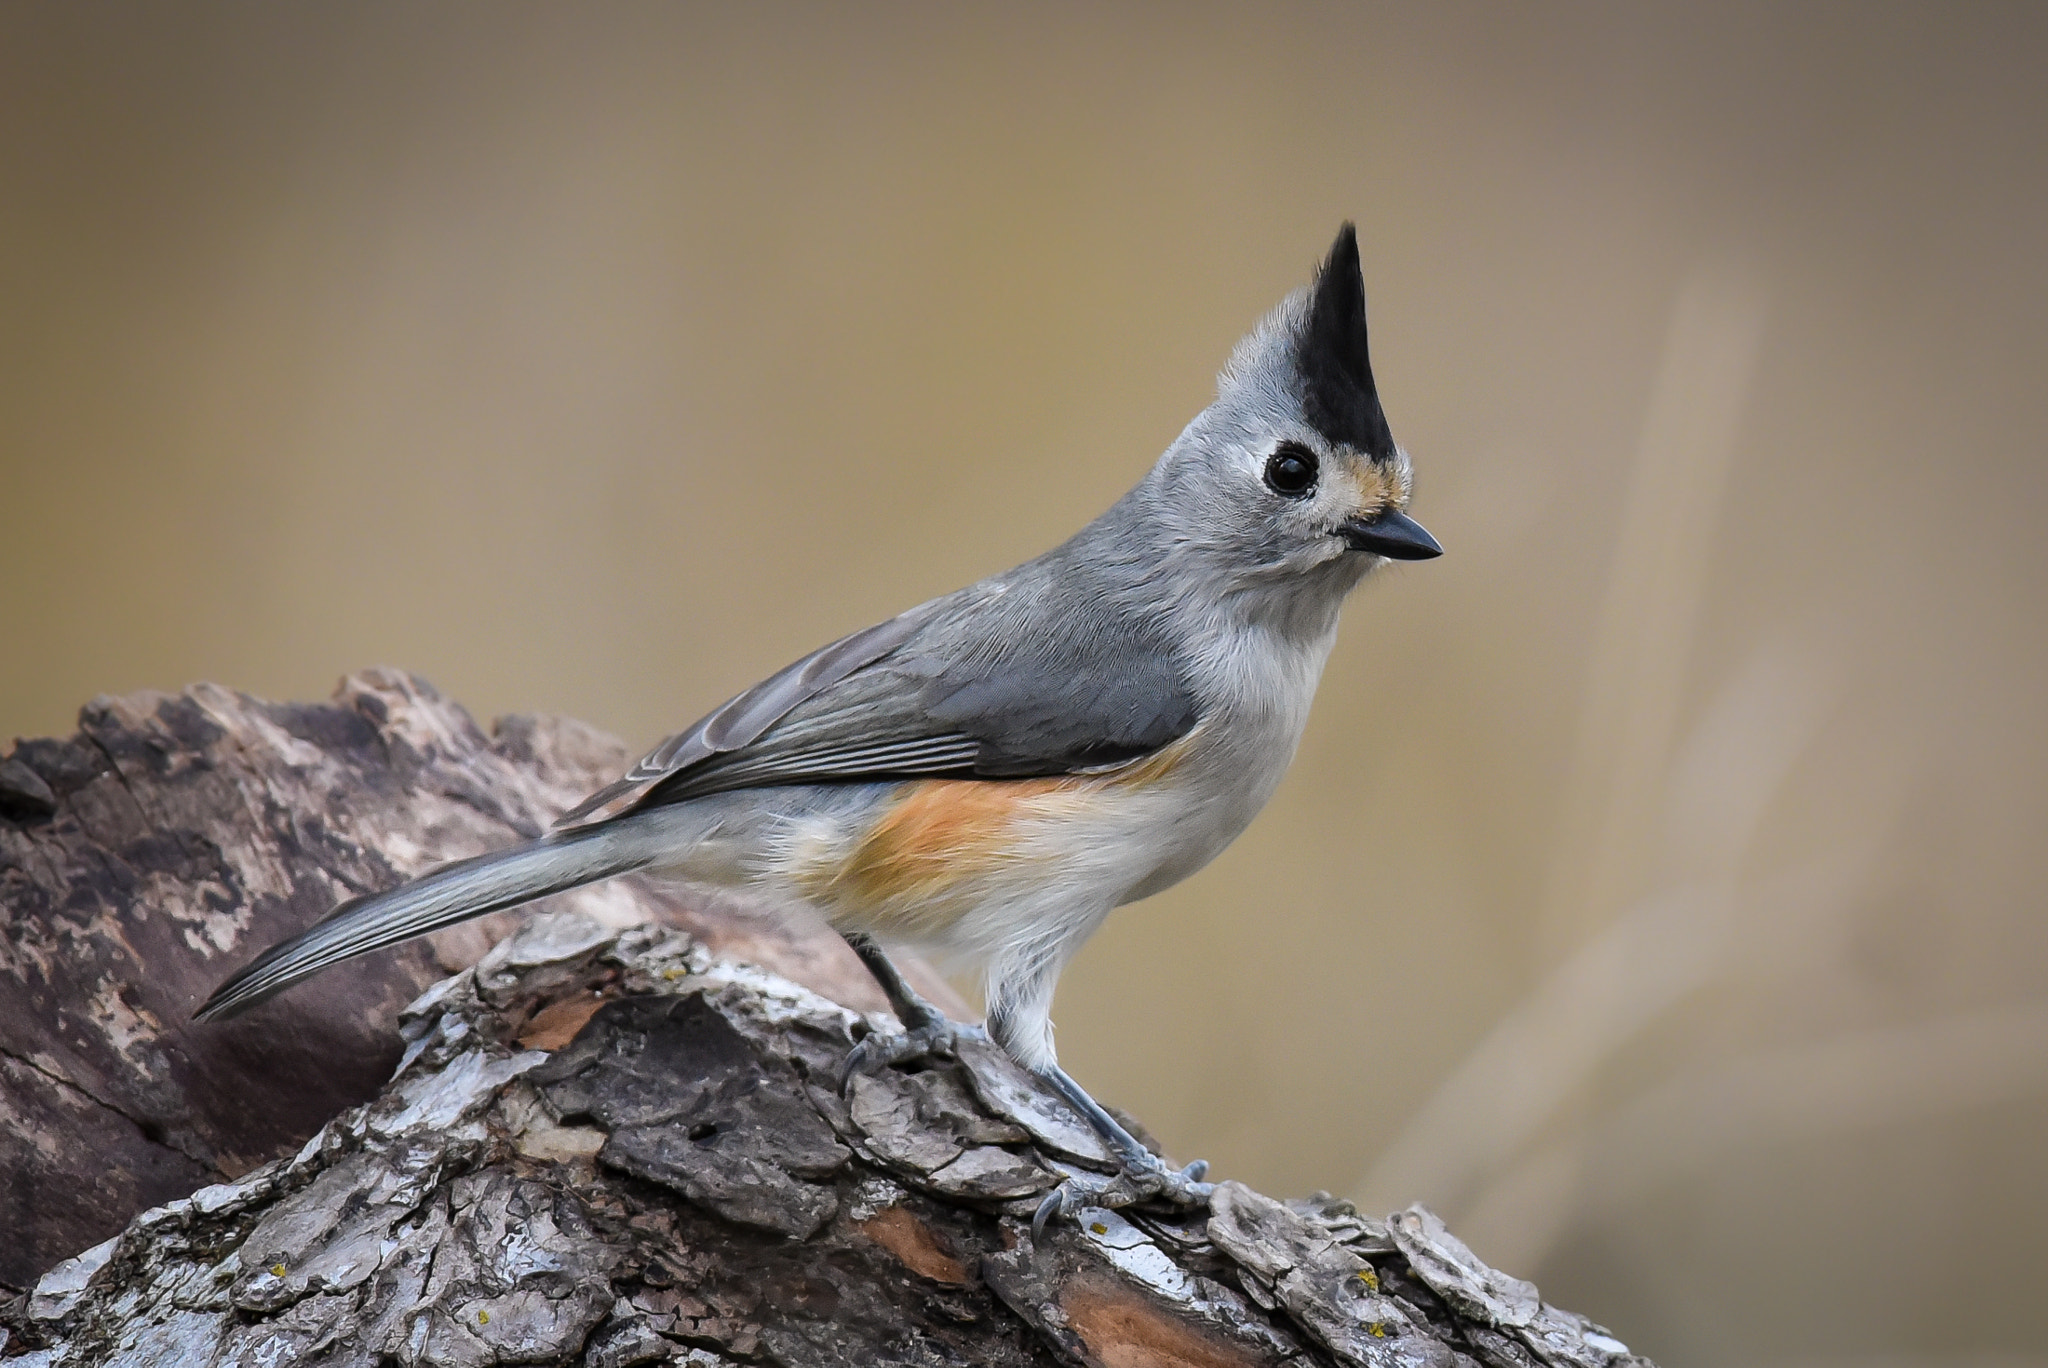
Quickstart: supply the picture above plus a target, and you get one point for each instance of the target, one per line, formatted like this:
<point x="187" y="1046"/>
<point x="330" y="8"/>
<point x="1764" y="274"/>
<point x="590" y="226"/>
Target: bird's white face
<point x="1283" y="493"/>
<point x="1267" y="509"/>
<point x="1311" y="502"/>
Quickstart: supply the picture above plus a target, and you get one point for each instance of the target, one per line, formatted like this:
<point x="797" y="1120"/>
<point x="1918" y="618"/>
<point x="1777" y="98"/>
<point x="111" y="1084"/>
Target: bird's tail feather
<point x="453" y="893"/>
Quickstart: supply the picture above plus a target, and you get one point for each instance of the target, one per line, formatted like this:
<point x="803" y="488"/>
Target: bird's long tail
<point x="453" y="893"/>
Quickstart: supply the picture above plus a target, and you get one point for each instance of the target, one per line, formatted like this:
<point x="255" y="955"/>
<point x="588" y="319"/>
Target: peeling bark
<point x="176" y="835"/>
<point x="609" y="1142"/>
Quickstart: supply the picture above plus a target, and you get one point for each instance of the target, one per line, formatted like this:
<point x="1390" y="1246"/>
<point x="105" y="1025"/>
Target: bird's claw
<point x="932" y="1038"/>
<point x="1138" y="1182"/>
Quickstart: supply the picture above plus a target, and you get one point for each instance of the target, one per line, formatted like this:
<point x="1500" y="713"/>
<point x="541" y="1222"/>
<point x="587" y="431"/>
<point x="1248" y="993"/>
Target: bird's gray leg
<point x="1019" y="1020"/>
<point x="1144" y="1174"/>
<point x="926" y="1029"/>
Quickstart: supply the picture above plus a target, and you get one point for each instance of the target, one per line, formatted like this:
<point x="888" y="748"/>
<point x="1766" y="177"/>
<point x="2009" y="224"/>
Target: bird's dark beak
<point x="1393" y="535"/>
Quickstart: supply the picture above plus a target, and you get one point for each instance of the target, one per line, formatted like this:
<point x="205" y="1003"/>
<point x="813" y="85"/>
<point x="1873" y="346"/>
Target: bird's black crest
<point x="1338" y="393"/>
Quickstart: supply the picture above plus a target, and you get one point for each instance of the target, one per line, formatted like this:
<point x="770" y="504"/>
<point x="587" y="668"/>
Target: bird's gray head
<point x="1288" y="488"/>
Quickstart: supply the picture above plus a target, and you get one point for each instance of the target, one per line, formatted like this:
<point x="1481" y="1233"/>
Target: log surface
<point x="609" y="1142"/>
<point x="174" y="837"/>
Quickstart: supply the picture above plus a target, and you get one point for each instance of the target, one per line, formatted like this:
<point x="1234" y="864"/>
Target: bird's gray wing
<point x="742" y="718"/>
<point x="943" y="689"/>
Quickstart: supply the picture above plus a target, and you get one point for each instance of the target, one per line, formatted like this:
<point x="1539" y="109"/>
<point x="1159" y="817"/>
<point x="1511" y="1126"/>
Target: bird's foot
<point x="1142" y="1180"/>
<point x="927" y="1037"/>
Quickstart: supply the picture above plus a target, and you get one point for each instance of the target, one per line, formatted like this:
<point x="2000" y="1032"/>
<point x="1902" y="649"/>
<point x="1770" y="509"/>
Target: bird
<point x="993" y="772"/>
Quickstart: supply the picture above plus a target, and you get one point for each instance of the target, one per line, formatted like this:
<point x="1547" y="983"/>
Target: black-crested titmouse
<point x="991" y="773"/>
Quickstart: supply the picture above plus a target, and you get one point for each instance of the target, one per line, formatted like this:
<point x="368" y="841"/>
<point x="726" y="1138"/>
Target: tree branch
<point x="607" y="1143"/>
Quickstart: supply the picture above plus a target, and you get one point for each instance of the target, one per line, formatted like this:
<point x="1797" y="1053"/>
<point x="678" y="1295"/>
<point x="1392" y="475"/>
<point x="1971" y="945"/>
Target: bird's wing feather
<point x="948" y="688"/>
<point x="745" y="716"/>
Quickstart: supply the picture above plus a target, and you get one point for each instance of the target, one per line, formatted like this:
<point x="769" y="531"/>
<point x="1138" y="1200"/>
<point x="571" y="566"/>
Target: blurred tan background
<point x="1659" y="888"/>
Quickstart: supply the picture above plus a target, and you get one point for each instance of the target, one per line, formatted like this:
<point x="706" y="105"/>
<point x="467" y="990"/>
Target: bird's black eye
<point x="1291" y="470"/>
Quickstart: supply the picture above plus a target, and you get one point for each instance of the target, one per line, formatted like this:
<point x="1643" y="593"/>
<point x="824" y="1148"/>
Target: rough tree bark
<point x="615" y="1140"/>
